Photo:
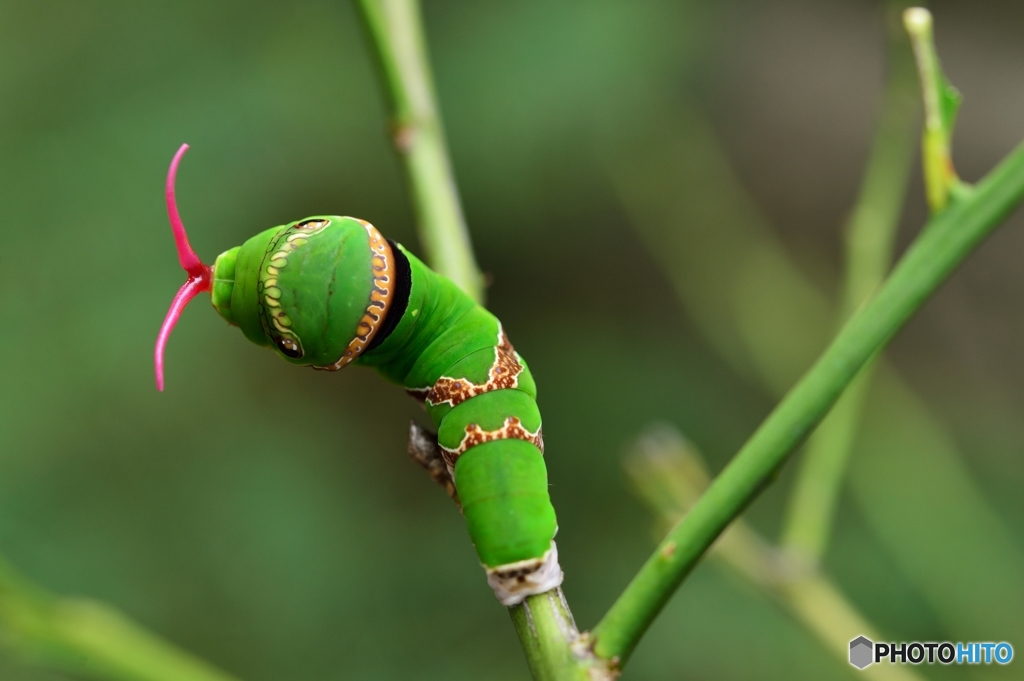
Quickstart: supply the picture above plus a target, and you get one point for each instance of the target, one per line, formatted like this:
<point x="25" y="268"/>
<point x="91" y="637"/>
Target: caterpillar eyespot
<point x="329" y="291"/>
<point x="289" y="348"/>
<point x="312" y="224"/>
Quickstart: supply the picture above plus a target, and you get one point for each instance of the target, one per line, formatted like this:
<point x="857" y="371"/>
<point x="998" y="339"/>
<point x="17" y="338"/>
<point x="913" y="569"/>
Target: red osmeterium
<point x="200" y="276"/>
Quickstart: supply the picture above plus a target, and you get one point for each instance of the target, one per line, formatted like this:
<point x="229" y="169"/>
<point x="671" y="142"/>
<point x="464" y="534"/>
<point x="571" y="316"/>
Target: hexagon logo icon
<point x="861" y="649"/>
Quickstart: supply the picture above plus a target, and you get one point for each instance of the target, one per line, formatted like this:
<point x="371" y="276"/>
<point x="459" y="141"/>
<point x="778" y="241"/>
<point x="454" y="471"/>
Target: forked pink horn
<point x="200" y="276"/>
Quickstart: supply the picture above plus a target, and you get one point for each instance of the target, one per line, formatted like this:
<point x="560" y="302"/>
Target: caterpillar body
<point x="329" y="291"/>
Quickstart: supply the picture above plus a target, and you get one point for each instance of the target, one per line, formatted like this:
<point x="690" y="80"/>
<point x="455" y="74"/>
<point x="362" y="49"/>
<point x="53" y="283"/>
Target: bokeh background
<point x="267" y="519"/>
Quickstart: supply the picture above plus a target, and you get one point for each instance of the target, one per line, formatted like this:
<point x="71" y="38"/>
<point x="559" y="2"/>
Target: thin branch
<point x="946" y="241"/>
<point x="89" y="638"/>
<point x="425" y="453"/>
<point x="769" y="322"/>
<point x="869" y="244"/>
<point x="555" y="649"/>
<point x="941" y="103"/>
<point x="670" y="475"/>
<point x="395" y="28"/>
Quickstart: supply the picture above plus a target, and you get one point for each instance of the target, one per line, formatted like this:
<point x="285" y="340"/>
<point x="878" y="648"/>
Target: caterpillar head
<point x="316" y="290"/>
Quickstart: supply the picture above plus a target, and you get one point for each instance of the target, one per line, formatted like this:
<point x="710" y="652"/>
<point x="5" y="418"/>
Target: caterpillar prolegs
<point x="329" y="291"/>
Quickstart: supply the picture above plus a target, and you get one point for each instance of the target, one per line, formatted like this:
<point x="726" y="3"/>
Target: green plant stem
<point x="941" y="101"/>
<point x="555" y="650"/>
<point x="89" y="638"/>
<point x="395" y="28"/>
<point x="670" y="475"/>
<point x="945" y="242"/>
<point x="733" y="243"/>
<point x="868" y="249"/>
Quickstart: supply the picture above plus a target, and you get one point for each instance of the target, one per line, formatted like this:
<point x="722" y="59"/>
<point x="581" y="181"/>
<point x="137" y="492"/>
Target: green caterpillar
<point x="329" y="291"/>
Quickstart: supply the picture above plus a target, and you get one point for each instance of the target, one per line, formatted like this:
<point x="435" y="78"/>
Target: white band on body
<point x="513" y="582"/>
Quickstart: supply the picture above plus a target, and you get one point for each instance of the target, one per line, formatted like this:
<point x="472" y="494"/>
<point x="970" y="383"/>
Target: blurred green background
<point x="251" y="514"/>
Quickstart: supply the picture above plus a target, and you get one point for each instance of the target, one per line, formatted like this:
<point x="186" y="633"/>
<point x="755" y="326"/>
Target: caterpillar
<point x="328" y="291"/>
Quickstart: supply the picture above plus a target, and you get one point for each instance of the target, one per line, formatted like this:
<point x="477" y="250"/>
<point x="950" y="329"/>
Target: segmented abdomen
<point x="489" y="431"/>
